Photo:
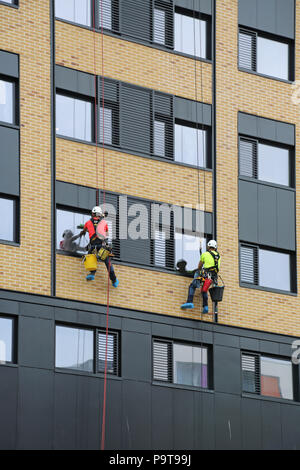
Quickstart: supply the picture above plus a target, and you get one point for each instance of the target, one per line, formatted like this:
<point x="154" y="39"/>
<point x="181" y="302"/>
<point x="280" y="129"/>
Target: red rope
<point x="97" y="194"/>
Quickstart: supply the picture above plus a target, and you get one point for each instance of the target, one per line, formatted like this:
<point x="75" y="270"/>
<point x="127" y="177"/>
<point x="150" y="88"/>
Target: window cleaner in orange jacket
<point x="97" y="229"/>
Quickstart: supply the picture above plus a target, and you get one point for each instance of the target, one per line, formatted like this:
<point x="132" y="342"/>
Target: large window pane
<point x="7" y="102"/>
<point x="190" y="35"/>
<point x="272" y="58"/>
<point x="74" y="348"/>
<point x="6" y="340"/>
<point x="187" y="247"/>
<point x="7" y="216"/>
<point x="190" y="365"/>
<point x="274" y="270"/>
<point x="77" y="11"/>
<point x="67" y="220"/>
<point x="190" y="145"/>
<point x="276" y="378"/>
<point x="73" y="117"/>
<point x="273" y="164"/>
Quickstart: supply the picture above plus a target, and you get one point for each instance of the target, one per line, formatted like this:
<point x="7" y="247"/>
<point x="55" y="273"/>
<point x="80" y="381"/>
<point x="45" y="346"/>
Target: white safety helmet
<point x="97" y="211"/>
<point x="212" y="244"/>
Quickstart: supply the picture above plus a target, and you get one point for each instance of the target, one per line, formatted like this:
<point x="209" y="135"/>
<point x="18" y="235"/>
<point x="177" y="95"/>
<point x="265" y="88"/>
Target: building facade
<point x="190" y="106"/>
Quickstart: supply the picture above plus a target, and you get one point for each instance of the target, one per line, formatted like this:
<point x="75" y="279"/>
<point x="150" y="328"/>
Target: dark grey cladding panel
<point x="286" y="228"/>
<point x="201" y="6"/>
<point x="74" y="81"/>
<point x="267" y="215"/>
<point x="192" y="111"/>
<point x="268" y="129"/>
<point x="227" y="365"/>
<point x="8" y="407"/>
<point x="9" y="161"/>
<point x="36" y="346"/>
<point x="162" y="418"/>
<point x="272" y="16"/>
<point x="9" y="64"/>
<point x="73" y="195"/>
<point x="248" y="202"/>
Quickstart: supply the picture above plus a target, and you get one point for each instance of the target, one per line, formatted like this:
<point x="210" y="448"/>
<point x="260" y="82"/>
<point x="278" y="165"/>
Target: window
<point x="68" y="220"/>
<point x="267" y="268"/>
<point x="74" y="348"/>
<point x="77" y="11"/>
<point x="267" y="376"/>
<point x="264" y="55"/>
<point x="191" y="34"/>
<point x="7" y="101"/>
<point x="266" y="162"/>
<point x="112" y="352"/>
<point x="7" y="341"/>
<point x="159" y="26"/>
<point x="190" y="145"/>
<point x="187" y="248"/>
<point x="8" y="214"/>
<point x="178" y="363"/>
<point x="74" y="117"/>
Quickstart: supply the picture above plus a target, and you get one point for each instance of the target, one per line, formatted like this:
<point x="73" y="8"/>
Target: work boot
<point x="205" y="309"/>
<point x="90" y="277"/>
<point x="187" y="305"/>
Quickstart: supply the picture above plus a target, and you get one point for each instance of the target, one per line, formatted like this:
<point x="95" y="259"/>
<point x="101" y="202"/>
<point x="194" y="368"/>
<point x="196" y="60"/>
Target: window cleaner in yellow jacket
<point x="208" y="269"/>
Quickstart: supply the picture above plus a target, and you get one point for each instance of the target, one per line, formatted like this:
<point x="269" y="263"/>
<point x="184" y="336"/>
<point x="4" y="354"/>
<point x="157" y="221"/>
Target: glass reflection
<point x="272" y="58"/>
<point x="7" y="228"/>
<point x="276" y="378"/>
<point x="73" y="118"/>
<point x="190" y="35"/>
<point x="68" y="221"/>
<point x="187" y="247"/>
<point x="74" y="348"/>
<point x="190" y="145"/>
<point x="77" y="11"/>
<point x="273" y="164"/>
<point x="6" y="340"/>
<point x="6" y="102"/>
<point x="190" y="365"/>
<point x="274" y="270"/>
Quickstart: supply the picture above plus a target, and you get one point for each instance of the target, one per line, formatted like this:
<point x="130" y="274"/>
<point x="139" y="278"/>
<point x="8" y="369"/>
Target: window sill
<point x="289" y="82"/>
<point x="9" y="5"/>
<point x="266" y="183"/>
<point x="8" y="124"/>
<point x="137" y="41"/>
<point x="130" y="152"/>
<point x="82" y="373"/>
<point x="270" y="399"/>
<point x="8" y="364"/>
<point x="130" y="265"/>
<point x="266" y="289"/>
<point x="7" y="242"/>
<point x="182" y="387"/>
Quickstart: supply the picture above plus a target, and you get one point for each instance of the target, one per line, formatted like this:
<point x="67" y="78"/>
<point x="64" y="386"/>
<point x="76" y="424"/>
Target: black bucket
<point x="216" y="293"/>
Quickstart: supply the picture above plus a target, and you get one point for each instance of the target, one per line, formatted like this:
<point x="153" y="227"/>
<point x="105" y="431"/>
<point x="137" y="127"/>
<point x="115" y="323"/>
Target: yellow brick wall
<point x="139" y="289"/>
<point x="133" y="175"/>
<point x="240" y="91"/>
<point x="130" y="62"/>
<point x="26" y="31"/>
